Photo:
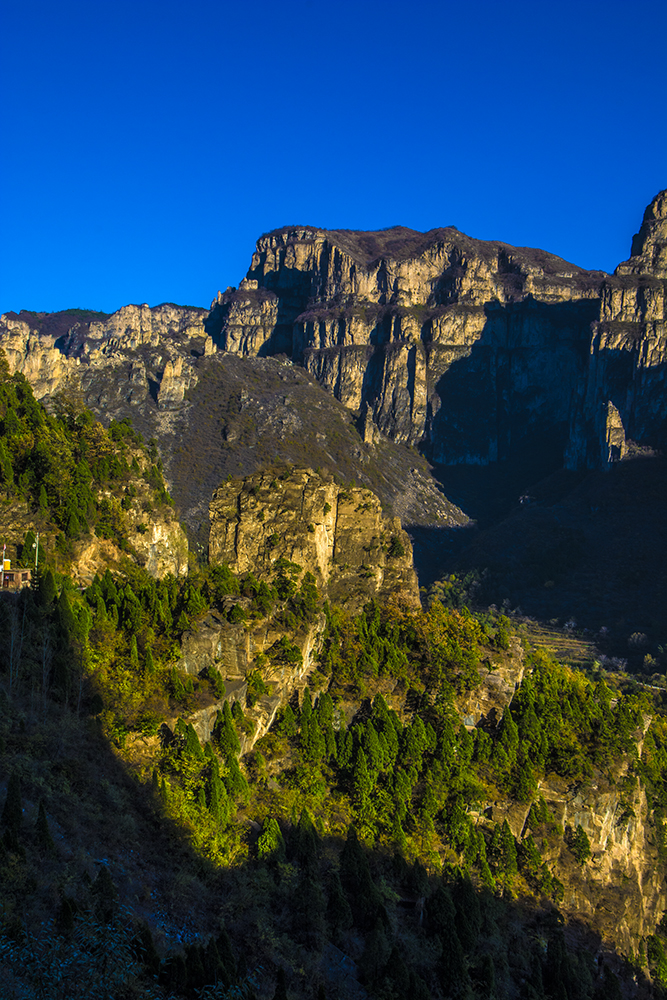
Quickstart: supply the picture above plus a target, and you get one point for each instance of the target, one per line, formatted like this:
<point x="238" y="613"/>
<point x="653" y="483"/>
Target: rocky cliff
<point x="339" y="534"/>
<point x="211" y="413"/>
<point x="474" y="349"/>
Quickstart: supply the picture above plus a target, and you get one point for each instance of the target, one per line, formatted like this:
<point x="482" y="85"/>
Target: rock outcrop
<point x="475" y="350"/>
<point x="339" y="534"/>
<point x="131" y="355"/>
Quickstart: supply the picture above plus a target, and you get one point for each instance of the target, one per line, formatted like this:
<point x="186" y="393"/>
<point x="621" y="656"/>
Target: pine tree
<point x="281" y="988"/>
<point x="47" y="588"/>
<point x="376" y="952"/>
<point x="134" y="652"/>
<point x="218" y="801"/>
<point x="452" y="968"/>
<point x="105" y="895"/>
<point x="192" y="745"/>
<point x="361" y="779"/>
<point x="73" y="528"/>
<point x="65" y="614"/>
<point x="306" y="840"/>
<point x="339" y="914"/>
<point x="271" y="846"/>
<point x="287" y="726"/>
<point x="42" y="832"/>
<point x="12" y="812"/>
<point x="149" y="663"/>
<point x="225" y="733"/>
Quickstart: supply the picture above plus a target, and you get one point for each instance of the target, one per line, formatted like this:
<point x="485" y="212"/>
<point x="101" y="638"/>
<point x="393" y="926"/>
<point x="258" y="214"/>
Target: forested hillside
<point x="374" y="842"/>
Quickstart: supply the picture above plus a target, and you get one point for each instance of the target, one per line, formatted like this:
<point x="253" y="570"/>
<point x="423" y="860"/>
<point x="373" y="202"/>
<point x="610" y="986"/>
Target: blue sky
<point x="147" y="145"/>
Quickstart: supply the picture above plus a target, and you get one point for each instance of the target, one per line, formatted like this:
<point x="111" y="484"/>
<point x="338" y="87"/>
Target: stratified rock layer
<point x="339" y="534"/>
<point x="474" y="349"/>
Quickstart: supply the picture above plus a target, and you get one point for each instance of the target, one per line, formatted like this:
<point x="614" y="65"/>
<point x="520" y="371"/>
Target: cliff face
<point x="212" y="413"/>
<point x="131" y="355"/>
<point x="338" y="534"/>
<point x="474" y="349"/>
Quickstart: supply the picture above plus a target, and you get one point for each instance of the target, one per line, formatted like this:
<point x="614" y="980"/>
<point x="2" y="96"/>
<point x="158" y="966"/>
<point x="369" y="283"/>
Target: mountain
<point x="476" y="351"/>
<point x="284" y="769"/>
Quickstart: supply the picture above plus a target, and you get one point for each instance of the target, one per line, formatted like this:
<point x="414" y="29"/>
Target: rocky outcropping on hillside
<point x="339" y="534"/>
<point x="211" y="413"/>
<point x="474" y="349"/>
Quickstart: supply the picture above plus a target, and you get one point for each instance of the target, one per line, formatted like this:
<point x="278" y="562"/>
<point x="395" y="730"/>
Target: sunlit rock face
<point x="339" y="534"/>
<point x="476" y="350"/>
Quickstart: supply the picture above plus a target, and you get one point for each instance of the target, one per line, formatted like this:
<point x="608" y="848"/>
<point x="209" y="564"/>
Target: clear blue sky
<point x="146" y="145"/>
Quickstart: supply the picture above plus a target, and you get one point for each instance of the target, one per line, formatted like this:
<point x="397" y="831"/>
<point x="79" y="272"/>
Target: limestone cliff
<point x="339" y="534"/>
<point x="212" y="413"/>
<point x="473" y="349"/>
<point x="135" y="352"/>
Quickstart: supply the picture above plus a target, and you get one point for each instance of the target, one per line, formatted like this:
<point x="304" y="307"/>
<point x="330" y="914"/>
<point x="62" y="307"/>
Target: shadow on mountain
<point x="380" y="923"/>
<point x="589" y="547"/>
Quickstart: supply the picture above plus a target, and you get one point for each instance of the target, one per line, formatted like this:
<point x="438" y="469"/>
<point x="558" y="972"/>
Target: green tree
<point x="42" y="832"/>
<point x="12" y="812"/>
<point x="580" y="845"/>
<point x="271" y="845"/>
<point x="225" y="734"/>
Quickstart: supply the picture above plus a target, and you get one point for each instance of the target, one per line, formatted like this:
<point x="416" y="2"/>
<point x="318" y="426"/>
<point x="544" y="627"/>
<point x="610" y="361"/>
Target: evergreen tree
<point x="12" y="812"/>
<point x="362" y="781"/>
<point x="65" y="614"/>
<point x="218" y="801"/>
<point x="306" y="841"/>
<point x="42" y="832"/>
<point x="73" y="527"/>
<point x="134" y="652"/>
<point x="281" y="988"/>
<point x="271" y="846"/>
<point x="105" y="895"/>
<point x="47" y="588"/>
<point x="192" y="745"/>
<point x="376" y="952"/>
<point x="225" y="733"/>
<point x="287" y="726"/>
<point x="339" y="914"/>
<point x="452" y="969"/>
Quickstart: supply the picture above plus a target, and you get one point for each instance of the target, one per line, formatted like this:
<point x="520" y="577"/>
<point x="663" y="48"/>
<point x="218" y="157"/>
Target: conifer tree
<point x="104" y="892"/>
<point x="271" y="846"/>
<point x="134" y="652"/>
<point x="339" y="914"/>
<point x="47" y="588"/>
<point x="287" y="726"/>
<point x="66" y="618"/>
<point x="149" y="663"/>
<point x="12" y="812"/>
<point x="218" y="801"/>
<point x="452" y="968"/>
<point x="225" y="733"/>
<point x="362" y="781"/>
<point x="192" y="745"/>
<point x="42" y="832"/>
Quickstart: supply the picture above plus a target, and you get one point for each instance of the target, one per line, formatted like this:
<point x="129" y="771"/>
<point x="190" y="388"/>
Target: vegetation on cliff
<point x="75" y="477"/>
<point x="374" y="842"/>
<point x="367" y="833"/>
